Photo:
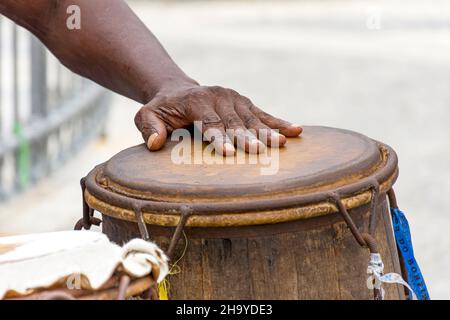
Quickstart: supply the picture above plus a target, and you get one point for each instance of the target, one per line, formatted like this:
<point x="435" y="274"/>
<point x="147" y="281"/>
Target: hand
<point x="218" y="109"/>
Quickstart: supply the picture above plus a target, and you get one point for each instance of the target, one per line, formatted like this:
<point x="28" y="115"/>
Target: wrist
<point x="169" y="85"/>
<point x="177" y="84"/>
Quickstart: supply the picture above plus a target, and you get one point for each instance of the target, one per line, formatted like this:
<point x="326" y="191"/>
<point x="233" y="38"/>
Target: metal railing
<point x="46" y="112"/>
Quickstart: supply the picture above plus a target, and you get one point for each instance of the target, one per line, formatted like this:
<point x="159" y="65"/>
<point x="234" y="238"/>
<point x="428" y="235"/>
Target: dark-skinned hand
<point x="219" y="110"/>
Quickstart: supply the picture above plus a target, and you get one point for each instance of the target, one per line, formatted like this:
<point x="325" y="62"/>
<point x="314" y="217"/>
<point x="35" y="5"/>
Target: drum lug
<point x="375" y="187"/>
<point x="365" y="240"/>
<point x="336" y="199"/>
<point x="186" y="212"/>
<point x="88" y="218"/>
<point x="141" y="223"/>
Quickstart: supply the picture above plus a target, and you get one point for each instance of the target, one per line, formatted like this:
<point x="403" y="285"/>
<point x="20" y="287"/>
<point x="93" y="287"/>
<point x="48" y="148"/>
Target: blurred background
<point x="378" y="67"/>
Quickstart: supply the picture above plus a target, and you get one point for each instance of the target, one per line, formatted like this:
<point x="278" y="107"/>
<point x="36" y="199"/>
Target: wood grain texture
<point x="322" y="261"/>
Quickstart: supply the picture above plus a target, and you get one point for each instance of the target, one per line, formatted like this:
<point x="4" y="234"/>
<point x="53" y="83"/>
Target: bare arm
<point x="115" y="49"/>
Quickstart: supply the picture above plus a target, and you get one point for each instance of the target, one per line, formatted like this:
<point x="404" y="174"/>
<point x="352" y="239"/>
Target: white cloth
<point x="41" y="260"/>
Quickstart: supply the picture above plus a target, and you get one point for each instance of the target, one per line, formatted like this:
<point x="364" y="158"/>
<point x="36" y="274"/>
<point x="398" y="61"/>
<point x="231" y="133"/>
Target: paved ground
<point x="380" y="68"/>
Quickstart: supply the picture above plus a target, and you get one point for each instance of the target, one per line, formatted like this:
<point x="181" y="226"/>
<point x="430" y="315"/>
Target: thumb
<point x="152" y="128"/>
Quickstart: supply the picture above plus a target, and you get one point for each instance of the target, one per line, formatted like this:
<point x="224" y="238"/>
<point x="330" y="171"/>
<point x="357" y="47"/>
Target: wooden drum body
<point x="244" y="235"/>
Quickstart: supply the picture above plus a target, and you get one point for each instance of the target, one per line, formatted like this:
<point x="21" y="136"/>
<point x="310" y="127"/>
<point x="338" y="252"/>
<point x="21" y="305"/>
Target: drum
<point x="78" y="265"/>
<point x="302" y="231"/>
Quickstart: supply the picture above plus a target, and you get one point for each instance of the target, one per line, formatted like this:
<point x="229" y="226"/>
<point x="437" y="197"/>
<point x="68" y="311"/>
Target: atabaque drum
<point x="298" y="223"/>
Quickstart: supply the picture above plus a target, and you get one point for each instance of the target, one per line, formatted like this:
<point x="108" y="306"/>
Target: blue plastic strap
<point x="404" y="244"/>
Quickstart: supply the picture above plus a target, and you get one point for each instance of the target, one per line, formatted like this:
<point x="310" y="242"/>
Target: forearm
<point x="112" y="47"/>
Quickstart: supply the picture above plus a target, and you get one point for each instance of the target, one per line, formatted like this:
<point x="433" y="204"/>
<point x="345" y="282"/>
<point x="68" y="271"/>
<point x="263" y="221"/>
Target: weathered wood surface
<point x="320" y="261"/>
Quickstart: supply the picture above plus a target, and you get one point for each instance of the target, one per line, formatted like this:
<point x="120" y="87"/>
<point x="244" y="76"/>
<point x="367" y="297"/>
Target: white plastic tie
<point x="376" y="278"/>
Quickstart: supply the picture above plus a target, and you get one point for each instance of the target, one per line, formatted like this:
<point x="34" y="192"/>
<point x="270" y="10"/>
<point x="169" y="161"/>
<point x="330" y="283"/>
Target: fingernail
<point x="229" y="149"/>
<point x="151" y="139"/>
<point x="275" y="134"/>
<point x="256" y="146"/>
<point x="299" y="129"/>
<point x="277" y="139"/>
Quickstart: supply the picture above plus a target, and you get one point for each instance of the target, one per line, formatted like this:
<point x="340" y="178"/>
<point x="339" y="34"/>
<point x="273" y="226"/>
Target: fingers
<point x="236" y="129"/>
<point x="251" y="121"/>
<point x="152" y="128"/>
<point x="224" y="114"/>
<point x="214" y="131"/>
<point x="247" y="141"/>
<point x="285" y="128"/>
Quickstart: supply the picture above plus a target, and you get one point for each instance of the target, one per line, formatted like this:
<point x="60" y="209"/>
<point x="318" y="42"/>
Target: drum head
<point x="322" y="158"/>
<point x="290" y="183"/>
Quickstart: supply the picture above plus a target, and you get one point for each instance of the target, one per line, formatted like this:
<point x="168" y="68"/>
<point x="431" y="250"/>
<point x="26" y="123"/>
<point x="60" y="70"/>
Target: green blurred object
<point x="23" y="159"/>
